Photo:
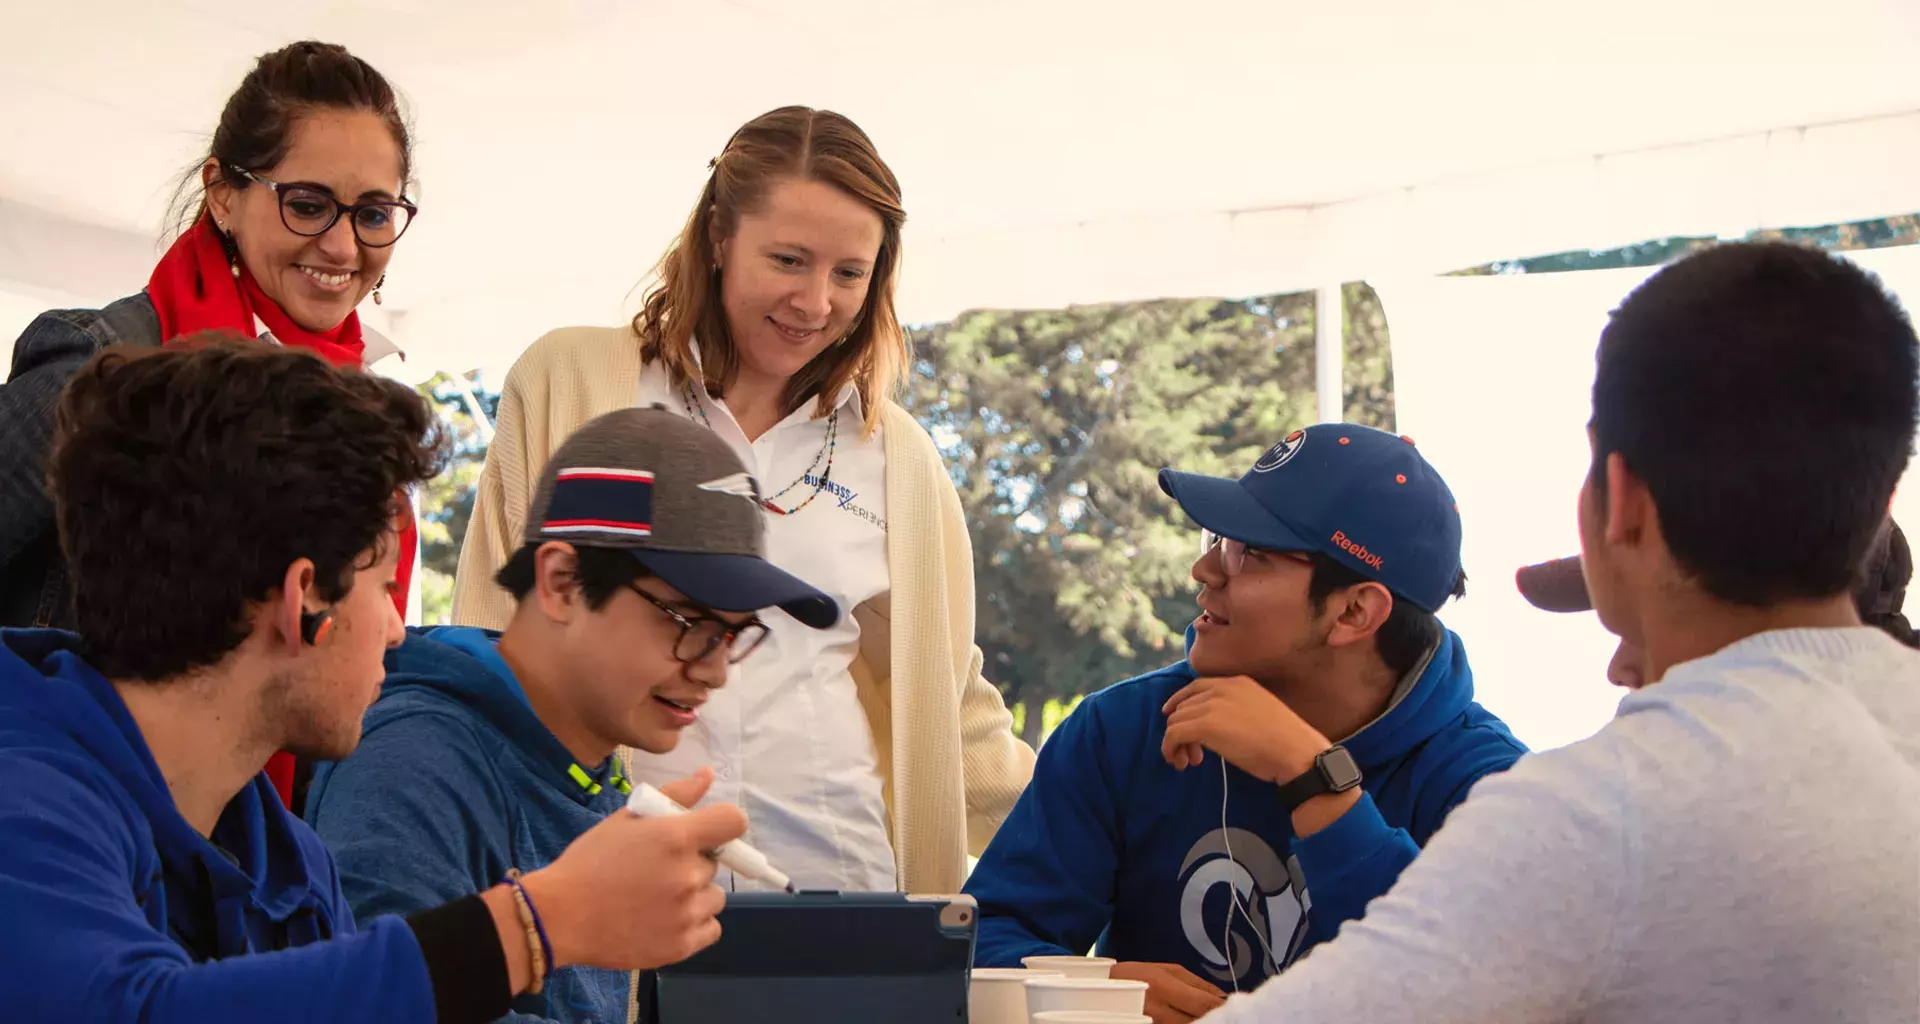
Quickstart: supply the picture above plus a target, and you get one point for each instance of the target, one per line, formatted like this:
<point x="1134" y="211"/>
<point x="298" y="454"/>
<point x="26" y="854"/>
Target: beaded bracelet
<point x="538" y="948"/>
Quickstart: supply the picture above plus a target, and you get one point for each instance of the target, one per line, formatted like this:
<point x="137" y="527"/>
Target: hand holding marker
<point x="736" y="855"/>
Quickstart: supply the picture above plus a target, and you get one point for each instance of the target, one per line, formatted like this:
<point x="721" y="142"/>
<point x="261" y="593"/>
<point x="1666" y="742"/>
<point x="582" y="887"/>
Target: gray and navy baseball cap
<point x="1879" y="586"/>
<point x="670" y="493"/>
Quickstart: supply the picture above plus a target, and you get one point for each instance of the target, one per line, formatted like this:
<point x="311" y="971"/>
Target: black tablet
<point x="819" y="957"/>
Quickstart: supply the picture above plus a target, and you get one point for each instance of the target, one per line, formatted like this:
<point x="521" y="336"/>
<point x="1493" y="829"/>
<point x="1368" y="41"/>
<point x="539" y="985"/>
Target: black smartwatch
<point x="1333" y="771"/>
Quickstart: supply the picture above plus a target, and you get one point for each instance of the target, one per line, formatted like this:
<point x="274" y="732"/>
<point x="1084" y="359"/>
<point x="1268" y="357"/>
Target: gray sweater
<point x="1742" y="843"/>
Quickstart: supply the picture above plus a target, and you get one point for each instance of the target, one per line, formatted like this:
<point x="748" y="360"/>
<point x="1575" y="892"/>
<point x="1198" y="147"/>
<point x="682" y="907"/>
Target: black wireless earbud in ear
<point x="314" y="627"/>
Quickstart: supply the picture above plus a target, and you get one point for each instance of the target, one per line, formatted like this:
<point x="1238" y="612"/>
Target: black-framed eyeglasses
<point x="312" y="212"/>
<point x="701" y="635"/>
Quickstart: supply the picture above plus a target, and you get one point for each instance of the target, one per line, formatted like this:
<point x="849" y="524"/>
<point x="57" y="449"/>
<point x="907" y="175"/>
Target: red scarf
<point x="193" y="288"/>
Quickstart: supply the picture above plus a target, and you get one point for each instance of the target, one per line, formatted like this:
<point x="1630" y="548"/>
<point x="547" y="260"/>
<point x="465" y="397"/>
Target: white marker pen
<point x="649" y="802"/>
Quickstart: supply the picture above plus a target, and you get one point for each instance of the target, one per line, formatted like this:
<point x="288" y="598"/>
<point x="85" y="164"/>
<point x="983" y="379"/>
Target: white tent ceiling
<point x="1052" y="150"/>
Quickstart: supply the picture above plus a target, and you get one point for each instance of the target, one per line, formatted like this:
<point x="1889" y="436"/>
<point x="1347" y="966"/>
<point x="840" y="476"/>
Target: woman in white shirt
<point x="872" y="755"/>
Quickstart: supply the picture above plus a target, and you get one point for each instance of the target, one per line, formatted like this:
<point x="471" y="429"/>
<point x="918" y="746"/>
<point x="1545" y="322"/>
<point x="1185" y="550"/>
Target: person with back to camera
<point x="1742" y="841"/>
<point x="301" y="199"/>
<point x="1879" y="593"/>
<point x="147" y="870"/>
<point x="871" y="755"/>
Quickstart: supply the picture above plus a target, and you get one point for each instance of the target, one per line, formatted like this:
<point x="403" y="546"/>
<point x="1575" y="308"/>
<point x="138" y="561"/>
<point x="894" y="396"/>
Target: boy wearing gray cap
<point x="487" y="753"/>
<point x="1879" y="592"/>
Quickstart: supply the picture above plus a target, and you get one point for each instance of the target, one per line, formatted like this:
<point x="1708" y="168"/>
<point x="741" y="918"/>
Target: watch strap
<point x="1317" y="780"/>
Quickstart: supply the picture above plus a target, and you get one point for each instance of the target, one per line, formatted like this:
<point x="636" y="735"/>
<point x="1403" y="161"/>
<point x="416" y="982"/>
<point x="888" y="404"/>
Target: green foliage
<point x="1864" y="234"/>
<point x="1369" y="359"/>
<point x="1051" y="715"/>
<point x="1879" y="232"/>
<point x="446" y="503"/>
<point x="1055" y="424"/>
<point x="1639" y="254"/>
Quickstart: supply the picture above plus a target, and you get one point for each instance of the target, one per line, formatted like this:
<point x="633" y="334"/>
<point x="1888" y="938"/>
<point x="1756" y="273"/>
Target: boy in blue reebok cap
<point x="1742" y="841"/>
<point x="1209" y="822"/>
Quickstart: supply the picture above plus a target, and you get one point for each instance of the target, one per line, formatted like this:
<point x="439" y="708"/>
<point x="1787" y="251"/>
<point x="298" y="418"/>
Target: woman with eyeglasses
<point x="296" y="209"/>
<point x="873" y="754"/>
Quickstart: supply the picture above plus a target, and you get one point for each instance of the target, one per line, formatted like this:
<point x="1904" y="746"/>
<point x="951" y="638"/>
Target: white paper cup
<point x="1090" y="1017"/>
<point x="1071" y="966"/>
<point x="998" y="995"/>
<point x="1113" y="995"/>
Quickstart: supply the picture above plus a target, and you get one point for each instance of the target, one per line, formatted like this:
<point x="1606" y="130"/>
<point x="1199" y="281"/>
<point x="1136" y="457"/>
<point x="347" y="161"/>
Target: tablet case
<point x="819" y="957"/>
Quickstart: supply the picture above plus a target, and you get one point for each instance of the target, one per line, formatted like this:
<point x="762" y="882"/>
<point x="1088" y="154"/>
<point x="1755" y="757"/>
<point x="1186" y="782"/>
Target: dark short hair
<point x="1766" y="394"/>
<point x="187" y="479"/>
<point x="601" y="572"/>
<point x="1409" y="632"/>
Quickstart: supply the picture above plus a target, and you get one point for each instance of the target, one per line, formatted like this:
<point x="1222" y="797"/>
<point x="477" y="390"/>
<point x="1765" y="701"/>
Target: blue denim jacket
<point x="33" y="579"/>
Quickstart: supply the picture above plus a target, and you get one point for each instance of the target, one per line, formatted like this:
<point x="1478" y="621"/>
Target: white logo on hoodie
<point x="1266" y="901"/>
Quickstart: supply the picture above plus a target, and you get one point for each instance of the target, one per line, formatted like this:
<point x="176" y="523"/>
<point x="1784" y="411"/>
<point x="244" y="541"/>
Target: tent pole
<point x="1329" y="353"/>
<point x="474" y="408"/>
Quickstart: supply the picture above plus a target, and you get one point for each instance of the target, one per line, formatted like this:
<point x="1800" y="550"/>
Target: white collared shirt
<point x="786" y="737"/>
<point x="375" y="346"/>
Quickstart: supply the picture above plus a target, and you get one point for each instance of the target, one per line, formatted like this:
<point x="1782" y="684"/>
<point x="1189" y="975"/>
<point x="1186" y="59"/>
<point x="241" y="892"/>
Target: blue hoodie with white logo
<point x="113" y="908"/>
<point x="455" y="781"/>
<point x="1110" y="844"/>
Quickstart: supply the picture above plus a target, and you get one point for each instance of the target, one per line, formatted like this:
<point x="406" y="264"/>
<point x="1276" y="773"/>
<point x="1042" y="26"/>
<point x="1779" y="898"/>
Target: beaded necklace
<point x="695" y="411"/>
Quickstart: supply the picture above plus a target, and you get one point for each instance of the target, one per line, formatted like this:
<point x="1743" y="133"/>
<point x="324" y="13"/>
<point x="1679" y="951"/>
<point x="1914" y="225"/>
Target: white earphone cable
<point x="1234" y="901"/>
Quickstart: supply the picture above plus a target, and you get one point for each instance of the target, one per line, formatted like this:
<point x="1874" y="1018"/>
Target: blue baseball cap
<point x="1364" y="497"/>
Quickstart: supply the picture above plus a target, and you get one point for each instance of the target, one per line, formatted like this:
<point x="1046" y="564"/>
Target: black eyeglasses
<point x="702" y="635"/>
<point x="312" y="212"/>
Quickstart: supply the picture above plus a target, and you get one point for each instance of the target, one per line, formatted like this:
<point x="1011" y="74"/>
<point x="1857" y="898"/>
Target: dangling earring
<point x="232" y="248"/>
<point x="376" y="289"/>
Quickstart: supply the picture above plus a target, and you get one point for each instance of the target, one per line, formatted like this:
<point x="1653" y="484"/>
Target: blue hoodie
<point x="116" y="910"/>
<point x="1110" y="843"/>
<point x="455" y="781"/>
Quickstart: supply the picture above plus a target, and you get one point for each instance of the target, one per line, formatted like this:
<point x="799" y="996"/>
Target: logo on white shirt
<point x="740" y="485"/>
<point x="843" y="496"/>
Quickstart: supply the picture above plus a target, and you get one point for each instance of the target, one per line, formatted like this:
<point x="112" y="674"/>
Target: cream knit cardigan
<point x="950" y="765"/>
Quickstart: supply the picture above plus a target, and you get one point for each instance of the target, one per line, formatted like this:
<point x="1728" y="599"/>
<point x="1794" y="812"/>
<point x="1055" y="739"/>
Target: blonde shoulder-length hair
<point x="684" y="303"/>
